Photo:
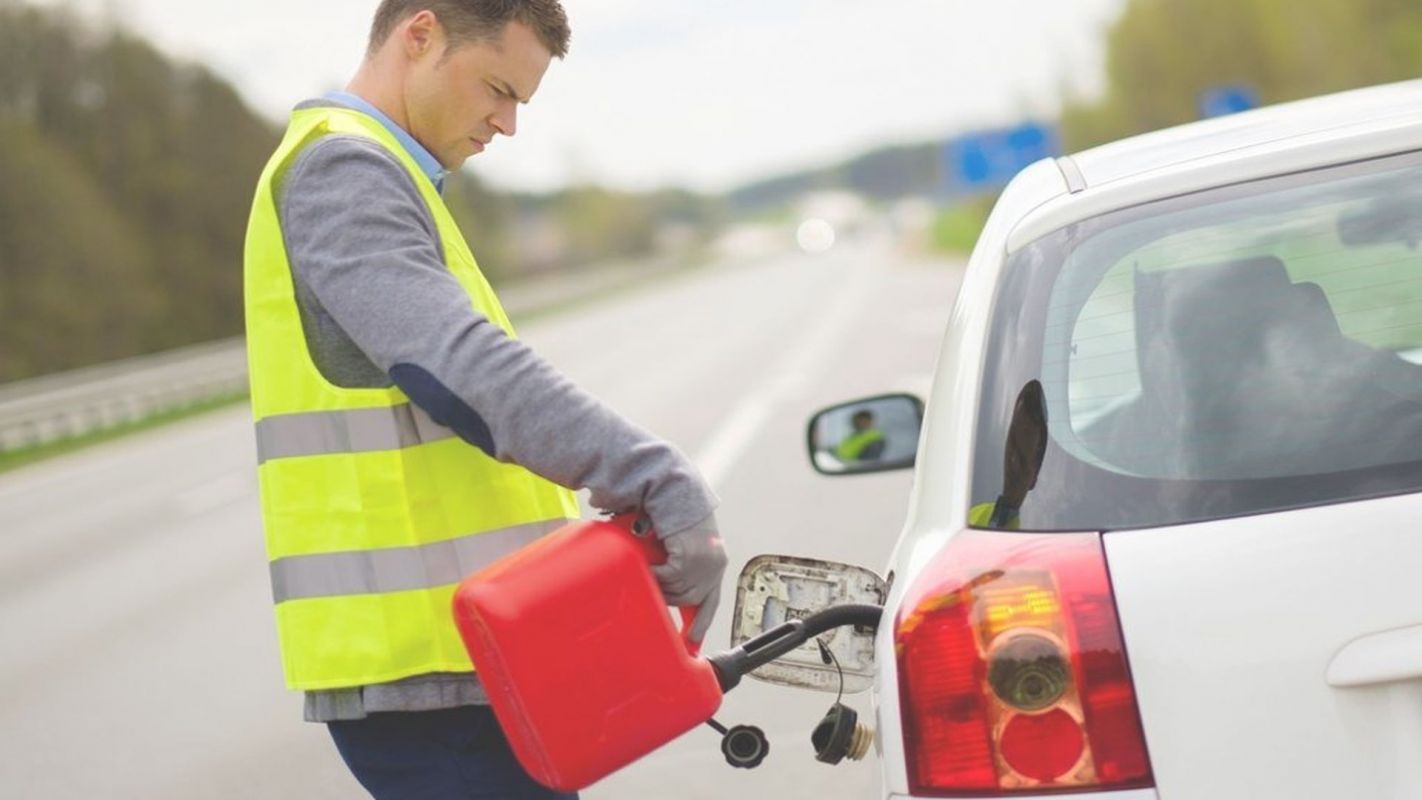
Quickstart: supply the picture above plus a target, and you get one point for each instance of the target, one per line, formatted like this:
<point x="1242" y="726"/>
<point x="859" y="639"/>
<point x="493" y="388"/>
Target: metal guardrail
<point x="61" y="406"/>
<point x="54" y="407"/>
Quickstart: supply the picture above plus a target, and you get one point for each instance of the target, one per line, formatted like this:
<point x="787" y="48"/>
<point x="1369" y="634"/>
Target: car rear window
<point x="1237" y="351"/>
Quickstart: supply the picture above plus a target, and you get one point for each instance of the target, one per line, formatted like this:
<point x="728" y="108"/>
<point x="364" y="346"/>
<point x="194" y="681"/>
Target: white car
<point x="1165" y="536"/>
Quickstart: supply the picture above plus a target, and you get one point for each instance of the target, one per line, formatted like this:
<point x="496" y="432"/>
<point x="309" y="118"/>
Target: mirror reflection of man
<point x="865" y="443"/>
<point x="1021" y="461"/>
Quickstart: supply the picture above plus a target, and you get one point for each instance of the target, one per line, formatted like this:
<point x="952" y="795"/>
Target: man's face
<point x="458" y="99"/>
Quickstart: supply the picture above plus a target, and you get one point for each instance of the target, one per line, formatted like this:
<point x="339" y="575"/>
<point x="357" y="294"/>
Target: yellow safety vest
<point x="980" y="516"/>
<point x="373" y="512"/>
<point x="850" y="449"/>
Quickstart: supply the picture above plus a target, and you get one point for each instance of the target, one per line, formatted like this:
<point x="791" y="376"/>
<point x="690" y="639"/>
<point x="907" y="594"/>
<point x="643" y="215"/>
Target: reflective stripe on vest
<point x="398" y="569"/>
<point x="360" y="430"/>
<point x="373" y="512"/>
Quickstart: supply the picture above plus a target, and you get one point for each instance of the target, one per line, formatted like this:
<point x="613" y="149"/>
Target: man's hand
<point x="696" y="560"/>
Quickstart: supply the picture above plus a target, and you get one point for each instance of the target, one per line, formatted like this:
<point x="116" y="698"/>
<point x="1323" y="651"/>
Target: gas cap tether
<point x="839" y="734"/>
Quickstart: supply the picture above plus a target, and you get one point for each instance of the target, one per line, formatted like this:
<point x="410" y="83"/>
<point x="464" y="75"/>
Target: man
<point x="865" y="442"/>
<point x="405" y="437"/>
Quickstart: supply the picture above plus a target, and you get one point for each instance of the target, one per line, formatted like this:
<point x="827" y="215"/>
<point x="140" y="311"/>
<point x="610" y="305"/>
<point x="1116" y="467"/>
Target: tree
<point x="1161" y="54"/>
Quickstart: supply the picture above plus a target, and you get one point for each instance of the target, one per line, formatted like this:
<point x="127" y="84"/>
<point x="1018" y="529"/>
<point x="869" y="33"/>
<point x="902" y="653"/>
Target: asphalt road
<point x="138" y="656"/>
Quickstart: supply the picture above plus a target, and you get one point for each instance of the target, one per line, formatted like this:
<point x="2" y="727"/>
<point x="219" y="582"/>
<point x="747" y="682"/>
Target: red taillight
<point x="1042" y="747"/>
<point x="1012" y="674"/>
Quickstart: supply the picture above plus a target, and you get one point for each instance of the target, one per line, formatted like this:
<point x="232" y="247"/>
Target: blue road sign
<point x="1222" y="100"/>
<point x="987" y="160"/>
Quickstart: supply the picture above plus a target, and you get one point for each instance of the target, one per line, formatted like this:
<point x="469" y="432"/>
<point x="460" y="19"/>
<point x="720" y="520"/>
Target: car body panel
<point x="1231" y="627"/>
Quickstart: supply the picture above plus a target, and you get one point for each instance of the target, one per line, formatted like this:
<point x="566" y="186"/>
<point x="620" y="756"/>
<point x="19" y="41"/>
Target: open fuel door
<point x="775" y="589"/>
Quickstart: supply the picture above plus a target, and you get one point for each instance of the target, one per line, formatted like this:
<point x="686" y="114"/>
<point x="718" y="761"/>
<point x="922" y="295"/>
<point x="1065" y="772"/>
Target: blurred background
<point x="134" y="130"/>
<point x="718" y="217"/>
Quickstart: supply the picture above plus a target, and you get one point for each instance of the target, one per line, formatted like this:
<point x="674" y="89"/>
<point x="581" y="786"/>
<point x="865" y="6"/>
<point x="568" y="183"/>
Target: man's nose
<point x="505" y="120"/>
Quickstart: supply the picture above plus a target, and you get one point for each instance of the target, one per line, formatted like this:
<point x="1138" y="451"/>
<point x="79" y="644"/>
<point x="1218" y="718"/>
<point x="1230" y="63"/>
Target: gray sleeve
<point x="362" y="240"/>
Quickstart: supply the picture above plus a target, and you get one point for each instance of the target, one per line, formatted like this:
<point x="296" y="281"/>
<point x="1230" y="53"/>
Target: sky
<point x="703" y="94"/>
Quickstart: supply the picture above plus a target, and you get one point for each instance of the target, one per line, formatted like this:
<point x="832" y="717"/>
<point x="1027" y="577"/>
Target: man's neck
<point x="377" y="90"/>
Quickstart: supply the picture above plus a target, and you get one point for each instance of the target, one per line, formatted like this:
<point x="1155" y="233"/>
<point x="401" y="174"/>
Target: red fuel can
<point x="584" y="668"/>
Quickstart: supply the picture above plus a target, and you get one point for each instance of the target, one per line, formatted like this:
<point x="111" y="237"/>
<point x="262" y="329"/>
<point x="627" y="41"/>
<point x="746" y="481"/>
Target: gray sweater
<point x="379" y="308"/>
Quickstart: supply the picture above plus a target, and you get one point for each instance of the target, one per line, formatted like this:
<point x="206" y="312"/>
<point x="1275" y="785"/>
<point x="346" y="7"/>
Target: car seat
<point x="1230" y="356"/>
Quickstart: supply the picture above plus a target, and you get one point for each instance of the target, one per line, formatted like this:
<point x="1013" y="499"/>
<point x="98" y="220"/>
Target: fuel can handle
<point x="639" y="526"/>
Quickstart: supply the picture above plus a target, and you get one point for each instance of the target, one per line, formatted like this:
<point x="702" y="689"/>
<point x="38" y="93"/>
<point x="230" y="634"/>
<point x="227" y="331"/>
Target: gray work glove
<point x="696" y="560"/>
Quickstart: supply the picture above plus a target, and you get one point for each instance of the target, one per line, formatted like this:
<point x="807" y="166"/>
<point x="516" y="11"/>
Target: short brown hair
<point x="477" y="20"/>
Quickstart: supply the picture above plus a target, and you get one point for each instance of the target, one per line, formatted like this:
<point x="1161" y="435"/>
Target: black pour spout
<point x="733" y="664"/>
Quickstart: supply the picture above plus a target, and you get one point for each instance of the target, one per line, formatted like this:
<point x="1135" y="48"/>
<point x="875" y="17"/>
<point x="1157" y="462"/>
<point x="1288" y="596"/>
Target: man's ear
<point x="420" y="35"/>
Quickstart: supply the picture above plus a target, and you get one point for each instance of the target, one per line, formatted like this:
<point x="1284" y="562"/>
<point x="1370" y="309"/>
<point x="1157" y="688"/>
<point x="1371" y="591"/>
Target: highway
<point x="139" y="657"/>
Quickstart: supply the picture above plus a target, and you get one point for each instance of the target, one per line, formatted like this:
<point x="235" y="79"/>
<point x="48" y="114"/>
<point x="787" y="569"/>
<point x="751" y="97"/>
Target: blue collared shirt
<point x="431" y="166"/>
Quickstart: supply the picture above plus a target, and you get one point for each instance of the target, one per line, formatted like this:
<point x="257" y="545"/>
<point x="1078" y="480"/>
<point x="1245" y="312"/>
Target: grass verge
<point x="956" y="228"/>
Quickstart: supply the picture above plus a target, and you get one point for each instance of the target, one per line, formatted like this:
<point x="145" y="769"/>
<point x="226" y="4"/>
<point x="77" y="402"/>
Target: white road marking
<point x="729" y="441"/>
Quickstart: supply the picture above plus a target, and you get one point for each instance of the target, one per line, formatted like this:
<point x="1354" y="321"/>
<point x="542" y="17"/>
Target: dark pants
<point x="436" y="755"/>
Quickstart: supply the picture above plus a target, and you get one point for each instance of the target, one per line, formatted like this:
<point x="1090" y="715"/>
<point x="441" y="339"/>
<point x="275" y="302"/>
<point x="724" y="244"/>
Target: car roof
<point x="1149" y="152"/>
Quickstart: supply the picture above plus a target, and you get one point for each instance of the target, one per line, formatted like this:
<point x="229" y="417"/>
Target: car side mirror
<point x="773" y="590"/>
<point x="874" y="434"/>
